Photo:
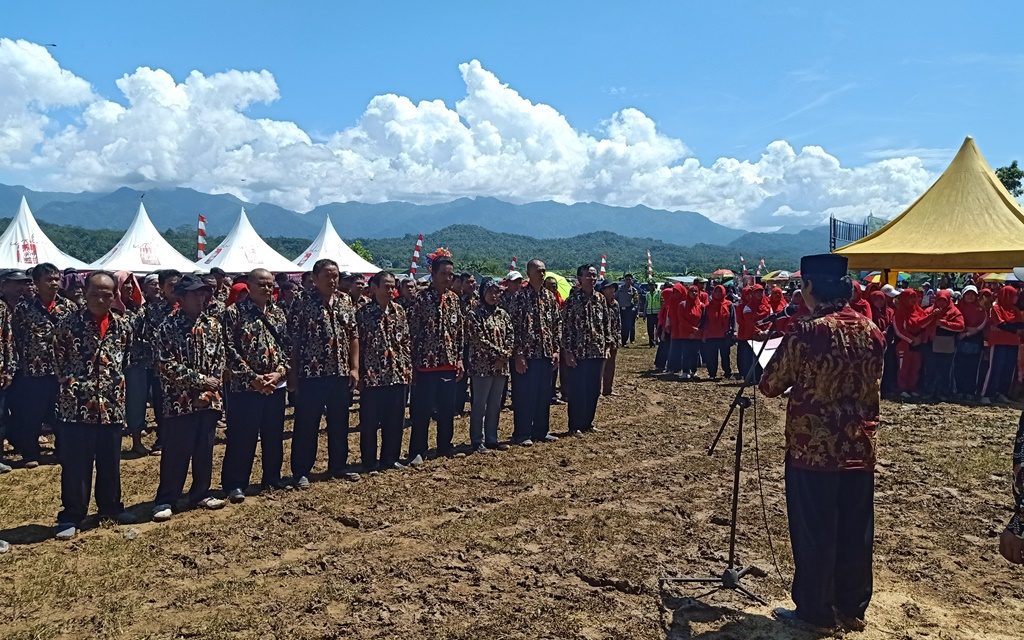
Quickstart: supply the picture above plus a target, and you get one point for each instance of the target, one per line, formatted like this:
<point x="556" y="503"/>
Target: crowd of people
<point x="86" y="355"/>
<point x="941" y="343"/>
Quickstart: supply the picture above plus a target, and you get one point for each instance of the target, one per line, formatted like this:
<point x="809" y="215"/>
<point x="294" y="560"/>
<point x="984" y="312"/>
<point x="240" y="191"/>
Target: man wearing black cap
<point x="222" y="288"/>
<point x="191" y="358"/>
<point x="832" y="362"/>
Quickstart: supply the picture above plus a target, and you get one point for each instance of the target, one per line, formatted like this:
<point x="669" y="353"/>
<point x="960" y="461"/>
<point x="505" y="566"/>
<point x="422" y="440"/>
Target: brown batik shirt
<point x="491" y="338"/>
<point x="91" y="367"/>
<point x="587" y="325"/>
<point x="33" y="326"/>
<point x="188" y="352"/>
<point x="8" y="353"/>
<point x="537" y="323"/>
<point x="257" y="342"/>
<point x="321" y="335"/>
<point x="832" y="360"/>
<point x="385" y="356"/>
<point x="437" y="327"/>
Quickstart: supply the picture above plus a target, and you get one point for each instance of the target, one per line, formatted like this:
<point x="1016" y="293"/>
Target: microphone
<point x="790" y="310"/>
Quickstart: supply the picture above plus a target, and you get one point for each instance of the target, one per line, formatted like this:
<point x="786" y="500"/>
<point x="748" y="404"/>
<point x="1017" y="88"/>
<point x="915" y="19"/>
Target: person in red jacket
<point x="688" y="331"/>
<point x="718" y="329"/>
<point x="777" y="300"/>
<point x="664" y="339"/>
<point x="908" y="324"/>
<point x="756" y="309"/>
<point x="1004" y="342"/>
<point x="944" y="325"/>
<point x="970" y="343"/>
<point x="859" y="302"/>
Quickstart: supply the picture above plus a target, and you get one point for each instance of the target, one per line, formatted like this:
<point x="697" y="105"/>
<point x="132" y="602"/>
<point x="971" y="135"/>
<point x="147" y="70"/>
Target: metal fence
<point x="842" y="232"/>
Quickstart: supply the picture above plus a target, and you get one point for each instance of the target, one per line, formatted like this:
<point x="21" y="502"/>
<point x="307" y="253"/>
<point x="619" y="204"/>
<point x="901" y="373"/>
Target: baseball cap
<point x="890" y="290"/>
<point x="513" y="275"/>
<point x="190" y="282"/>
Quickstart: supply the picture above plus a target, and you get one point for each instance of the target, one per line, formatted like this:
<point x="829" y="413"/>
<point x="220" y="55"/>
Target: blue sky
<point x="865" y="80"/>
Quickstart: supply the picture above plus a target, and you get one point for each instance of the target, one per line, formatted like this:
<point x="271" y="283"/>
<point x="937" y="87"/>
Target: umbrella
<point x="773" y="276"/>
<point x="876" y="277"/>
<point x="723" y="274"/>
<point x="564" y="287"/>
<point x="999" y="277"/>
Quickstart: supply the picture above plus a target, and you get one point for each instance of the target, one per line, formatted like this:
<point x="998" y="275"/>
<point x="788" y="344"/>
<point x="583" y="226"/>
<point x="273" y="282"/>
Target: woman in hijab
<point x="858" y="302"/>
<point x="970" y="342"/>
<point x="776" y="300"/>
<point x="689" y="315"/>
<point x="664" y="335"/>
<point x="676" y="329"/>
<point x="489" y="330"/>
<point x="1004" y="344"/>
<point x="909" y="326"/>
<point x="882" y="315"/>
<point x="718" y="328"/>
<point x="945" y="323"/>
<point x="754" y="311"/>
<point x="128" y="300"/>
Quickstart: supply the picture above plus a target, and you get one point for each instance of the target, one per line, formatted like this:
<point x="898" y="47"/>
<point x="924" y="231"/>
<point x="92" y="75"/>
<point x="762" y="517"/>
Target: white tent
<point x="24" y="245"/>
<point x="328" y="244"/>
<point x="244" y="250"/>
<point x="142" y="249"/>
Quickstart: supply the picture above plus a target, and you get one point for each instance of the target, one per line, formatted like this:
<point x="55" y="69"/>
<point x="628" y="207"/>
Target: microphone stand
<point x="733" y="574"/>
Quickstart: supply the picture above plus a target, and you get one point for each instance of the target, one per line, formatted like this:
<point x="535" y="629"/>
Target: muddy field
<point x="564" y="540"/>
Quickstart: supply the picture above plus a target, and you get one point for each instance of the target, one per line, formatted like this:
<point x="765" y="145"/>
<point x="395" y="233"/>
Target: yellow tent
<point x="966" y="221"/>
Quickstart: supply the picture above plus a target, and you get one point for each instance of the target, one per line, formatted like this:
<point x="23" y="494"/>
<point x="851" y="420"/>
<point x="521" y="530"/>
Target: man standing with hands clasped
<point x="588" y="336"/>
<point x="538" y="334"/>
<point x="257" y="345"/>
<point x="832" y="362"/>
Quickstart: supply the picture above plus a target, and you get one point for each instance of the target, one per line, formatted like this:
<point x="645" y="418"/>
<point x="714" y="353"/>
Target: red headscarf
<point x="881" y="313"/>
<point x="949" y="317"/>
<point x="136" y="295"/>
<point x="909" y="316"/>
<point x="858" y="303"/>
<point x="716" y="314"/>
<point x="236" y="291"/>
<point x="974" y="315"/>
<point x="689" y="313"/>
<point x="777" y="300"/>
<point x="1005" y="308"/>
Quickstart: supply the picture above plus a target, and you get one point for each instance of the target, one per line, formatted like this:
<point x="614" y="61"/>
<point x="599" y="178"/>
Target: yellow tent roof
<point x="966" y="221"/>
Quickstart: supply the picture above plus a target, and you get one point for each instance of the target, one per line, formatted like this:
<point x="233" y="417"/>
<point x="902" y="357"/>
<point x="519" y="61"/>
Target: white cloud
<point x="493" y="141"/>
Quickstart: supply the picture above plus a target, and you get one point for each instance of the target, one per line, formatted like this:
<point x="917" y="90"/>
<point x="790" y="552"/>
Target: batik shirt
<point x="587" y="325"/>
<point x="385" y="356"/>
<point x="216" y="308"/>
<point x="142" y="349"/>
<point x="154" y="314"/>
<point x="437" y="327"/>
<point x="91" y="368"/>
<point x="614" y="324"/>
<point x="33" y="326"/>
<point x="491" y="339"/>
<point x="833" y="362"/>
<point x="406" y="303"/>
<point x="469" y="302"/>
<point x="537" y="322"/>
<point x="188" y="352"/>
<point x="252" y="348"/>
<point x="321" y="336"/>
<point x="1017" y="520"/>
<point x="8" y="353"/>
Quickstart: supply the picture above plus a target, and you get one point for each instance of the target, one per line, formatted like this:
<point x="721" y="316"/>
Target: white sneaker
<point x="65" y="531"/>
<point x="162" y="513"/>
<point x="4" y="546"/>
<point x="550" y="438"/>
<point x="211" y="503"/>
<point x="417" y="461"/>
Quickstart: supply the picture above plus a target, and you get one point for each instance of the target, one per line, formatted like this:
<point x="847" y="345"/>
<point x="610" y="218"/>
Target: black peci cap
<point x="824" y="265"/>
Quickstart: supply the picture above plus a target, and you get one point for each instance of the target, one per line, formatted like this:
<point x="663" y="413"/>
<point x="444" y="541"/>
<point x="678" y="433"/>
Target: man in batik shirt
<point x="385" y="370"/>
<point x="610" y="292"/>
<point x="258" y="355"/>
<point x="216" y="306"/>
<point x="438" y="340"/>
<point x="832" y="364"/>
<point x="538" y="334"/>
<point x="8" y="367"/>
<point x="34" y="391"/>
<point x="91" y="349"/>
<point x="406" y="293"/>
<point x="191" y="354"/>
<point x="324" y="371"/>
<point x="154" y="314"/>
<point x="587" y="333"/>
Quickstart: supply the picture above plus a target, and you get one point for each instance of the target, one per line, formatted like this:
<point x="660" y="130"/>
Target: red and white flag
<point x="650" y="266"/>
<point x="416" y="255"/>
<point x="743" y="264"/>
<point x="201" y="237"/>
<point x="514" y="265"/>
<point x="604" y="267"/>
<point x="760" y="266"/>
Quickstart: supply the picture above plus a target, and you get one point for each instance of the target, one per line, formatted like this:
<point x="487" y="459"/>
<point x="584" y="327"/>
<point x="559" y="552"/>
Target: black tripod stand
<point x="733" y="574"/>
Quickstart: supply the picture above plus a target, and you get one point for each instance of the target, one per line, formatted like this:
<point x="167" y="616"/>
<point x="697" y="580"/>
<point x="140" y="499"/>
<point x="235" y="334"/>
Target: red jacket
<point x="719" y="318"/>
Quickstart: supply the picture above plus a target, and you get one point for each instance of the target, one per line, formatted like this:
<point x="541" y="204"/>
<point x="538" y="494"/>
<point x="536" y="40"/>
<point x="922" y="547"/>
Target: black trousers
<point x="433" y="394"/>
<point x="891" y="367"/>
<point x="187" y="440"/>
<point x="628" y="317"/>
<point x="84" y="446"/>
<point x="831" y="527"/>
<point x="1002" y="364"/>
<point x="652" y="329"/>
<point x="156" y="397"/>
<point x="662" y="354"/>
<point x="714" y="349"/>
<point x="690" y="355"/>
<point x="938" y="373"/>
<point x="584" y="391"/>
<point x="965" y="370"/>
<point x="4" y="420"/>
<point x="316" y="398"/>
<point x="531" y="400"/>
<point x="253" y="416"/>
<point x="383" y="409"/>
<point x="746" y="357"/>
<point x="33" y="400"/>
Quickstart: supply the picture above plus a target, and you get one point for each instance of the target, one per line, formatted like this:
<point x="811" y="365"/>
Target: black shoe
<point x="236" y="496"/>
<point x="125" y="517"/>
<point x="790" y="616"/>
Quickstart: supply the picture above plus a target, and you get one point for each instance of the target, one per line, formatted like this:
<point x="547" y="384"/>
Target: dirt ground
<point x="563" y="540"/>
